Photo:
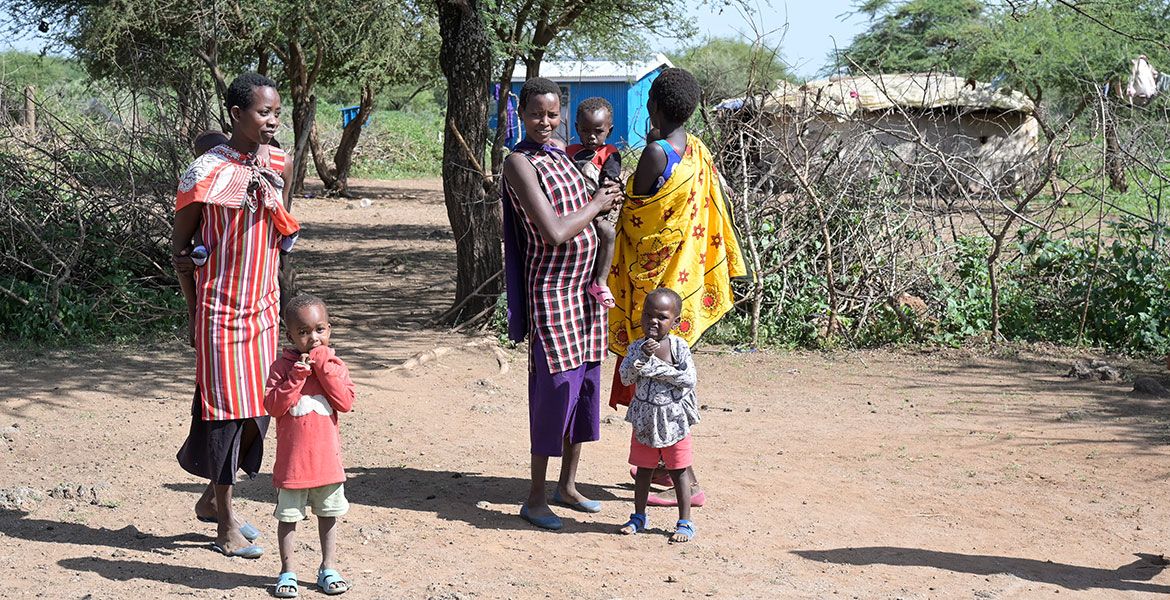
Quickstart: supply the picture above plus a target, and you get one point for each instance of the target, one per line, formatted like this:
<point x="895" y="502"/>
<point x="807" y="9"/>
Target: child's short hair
<point x="594" y="104"/>
<point x="538" y="86"/>
<point x="301" y="301"/>
<point x="675" y="299"/>
<point x="676" y="93"/>
<point x="239" y="93"/>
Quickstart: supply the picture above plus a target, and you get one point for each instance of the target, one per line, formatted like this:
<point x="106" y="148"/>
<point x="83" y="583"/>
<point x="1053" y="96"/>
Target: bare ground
<point x="847" y="475"/>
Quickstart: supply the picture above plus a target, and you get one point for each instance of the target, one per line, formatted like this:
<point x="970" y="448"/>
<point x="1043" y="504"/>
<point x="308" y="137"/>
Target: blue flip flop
<point x="287" y="579"/>
<point x="252" y="551"/>
<point x="552" y="522"/>
<point x="247" y="530"/>
<point x="327" y="578"/>
<point x="589" y="506"/>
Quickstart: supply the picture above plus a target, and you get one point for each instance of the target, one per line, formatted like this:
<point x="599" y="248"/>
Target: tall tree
<point x="914" y="36"/>
<point x="466" y="60"/>
<point x="303" y="43"/>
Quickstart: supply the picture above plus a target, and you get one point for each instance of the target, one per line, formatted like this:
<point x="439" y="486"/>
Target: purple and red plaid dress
<point x="571" y="325"/>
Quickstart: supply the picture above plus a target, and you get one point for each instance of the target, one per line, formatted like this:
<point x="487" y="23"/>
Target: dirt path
<point x="853" y="475"/>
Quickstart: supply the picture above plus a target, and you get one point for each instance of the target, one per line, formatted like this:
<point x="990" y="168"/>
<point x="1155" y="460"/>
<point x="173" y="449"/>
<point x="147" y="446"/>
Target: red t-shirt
<point x="305" y="401"/>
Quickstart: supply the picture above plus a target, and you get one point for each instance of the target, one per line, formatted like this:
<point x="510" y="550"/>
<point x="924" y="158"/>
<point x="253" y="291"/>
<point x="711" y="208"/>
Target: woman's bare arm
<point x="556" y="230"/>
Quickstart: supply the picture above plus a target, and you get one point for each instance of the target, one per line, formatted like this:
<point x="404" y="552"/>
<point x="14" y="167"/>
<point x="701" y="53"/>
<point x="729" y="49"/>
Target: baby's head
<point x="674" y="95"/>
<point x="594" y="122"/>
<point x="306" y="322"/>
<point x="660" y="313"/>
<point x="207" y="140"/>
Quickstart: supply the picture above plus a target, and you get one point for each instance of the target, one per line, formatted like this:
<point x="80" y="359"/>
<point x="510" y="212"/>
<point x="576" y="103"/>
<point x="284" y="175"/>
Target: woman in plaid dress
<point x="550" y="247"/>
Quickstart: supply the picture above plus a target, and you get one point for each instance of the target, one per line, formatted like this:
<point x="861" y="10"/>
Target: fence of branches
<point x="85" y="205"/>
<point x="948" y="222"/>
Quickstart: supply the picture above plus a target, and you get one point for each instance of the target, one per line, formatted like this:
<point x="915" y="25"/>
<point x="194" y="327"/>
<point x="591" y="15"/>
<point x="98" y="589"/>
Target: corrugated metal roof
<point x="594" y="70"/>
<point x="843" y="96"/>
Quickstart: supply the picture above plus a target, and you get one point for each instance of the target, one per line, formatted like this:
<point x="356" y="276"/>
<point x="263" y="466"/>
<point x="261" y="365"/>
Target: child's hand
<point x="650" y="347"/>
<point x="305" y="360"/>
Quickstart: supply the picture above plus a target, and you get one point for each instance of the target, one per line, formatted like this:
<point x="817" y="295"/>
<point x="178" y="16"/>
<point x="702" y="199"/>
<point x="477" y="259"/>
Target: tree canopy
<point x="729" y="67"/>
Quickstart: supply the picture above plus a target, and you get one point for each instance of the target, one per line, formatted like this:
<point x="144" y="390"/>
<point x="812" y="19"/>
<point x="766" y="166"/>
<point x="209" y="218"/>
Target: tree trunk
<point x="465" y="58"/>
<point x="505" y="83"/>
<point x="343" y="158"/>
<point x="335" y="176"/>
<point x="1114" y="163"/>
<point x="303" y="111"/>
<point x="29" y="119"/>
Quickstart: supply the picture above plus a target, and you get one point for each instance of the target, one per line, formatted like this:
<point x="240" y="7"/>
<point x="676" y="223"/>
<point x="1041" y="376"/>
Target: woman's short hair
<point x="538" y="86"/>
<point x="240" y="92"/>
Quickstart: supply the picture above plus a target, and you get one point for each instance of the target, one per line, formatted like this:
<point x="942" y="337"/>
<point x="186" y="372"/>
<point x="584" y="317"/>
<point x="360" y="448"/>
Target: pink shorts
<point x="676" y="457"/>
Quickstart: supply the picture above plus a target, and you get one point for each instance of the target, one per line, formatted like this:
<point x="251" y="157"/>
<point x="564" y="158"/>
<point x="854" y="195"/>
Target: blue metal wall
<point x="638" y="124"/>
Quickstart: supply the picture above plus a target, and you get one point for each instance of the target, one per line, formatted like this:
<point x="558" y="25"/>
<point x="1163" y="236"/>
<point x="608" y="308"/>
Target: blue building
<point x="626" y="86"/>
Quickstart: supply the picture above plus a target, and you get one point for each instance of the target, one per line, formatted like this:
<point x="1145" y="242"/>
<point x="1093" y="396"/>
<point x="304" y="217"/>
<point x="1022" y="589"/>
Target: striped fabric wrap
<point x="237" y="291"/>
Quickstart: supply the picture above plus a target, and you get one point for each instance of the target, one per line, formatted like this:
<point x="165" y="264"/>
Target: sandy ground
<point x="848" y="475"/>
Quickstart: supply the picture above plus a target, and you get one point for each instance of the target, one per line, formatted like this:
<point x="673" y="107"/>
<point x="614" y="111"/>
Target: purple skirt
<point x="561" y="405"/>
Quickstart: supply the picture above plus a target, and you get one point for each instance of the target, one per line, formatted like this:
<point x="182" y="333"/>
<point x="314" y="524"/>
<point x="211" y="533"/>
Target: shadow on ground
<point x="449" y="495"/>
<point x="195" y="578"/>
<point x="1129" y="577"/>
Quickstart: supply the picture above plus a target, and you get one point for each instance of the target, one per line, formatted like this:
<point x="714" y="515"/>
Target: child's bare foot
<point x="684" y="531"/>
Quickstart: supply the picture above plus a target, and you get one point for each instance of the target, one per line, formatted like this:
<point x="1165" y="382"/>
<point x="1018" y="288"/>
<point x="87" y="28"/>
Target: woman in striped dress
<point x="233" y="196"/>
<point x="550" y="248"/>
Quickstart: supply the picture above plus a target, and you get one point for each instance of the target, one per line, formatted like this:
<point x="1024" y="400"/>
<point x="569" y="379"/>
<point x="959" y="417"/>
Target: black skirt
<point x="213" y="449"/>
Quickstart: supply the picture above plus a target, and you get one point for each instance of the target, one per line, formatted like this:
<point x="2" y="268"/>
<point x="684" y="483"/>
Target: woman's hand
<point x="182" y="262"/>
<point x="607" y="196"/>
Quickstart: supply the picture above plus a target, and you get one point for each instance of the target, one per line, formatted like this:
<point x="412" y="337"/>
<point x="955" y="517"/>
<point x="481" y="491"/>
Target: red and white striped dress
<point x="237" y="313"/>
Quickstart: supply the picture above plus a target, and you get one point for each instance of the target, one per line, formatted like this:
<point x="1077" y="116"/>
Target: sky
<point x="805" y="30"/>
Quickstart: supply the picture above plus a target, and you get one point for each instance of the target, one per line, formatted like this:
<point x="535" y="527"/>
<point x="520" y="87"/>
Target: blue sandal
<point x="684" y="527"/>
<point x="552" y="522"/>
<point x="328" y="578"/>
<point x="247" y="530"/>
<point x="288" y="579"/>
<point x="638" y="522"/>
<point x="589" y="506"/>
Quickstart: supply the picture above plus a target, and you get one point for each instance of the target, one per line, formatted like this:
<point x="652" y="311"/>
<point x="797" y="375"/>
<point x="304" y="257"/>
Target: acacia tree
<point x="913" y="36"/>
<point x="465" y="58"/>
<point x="304" y="43"/>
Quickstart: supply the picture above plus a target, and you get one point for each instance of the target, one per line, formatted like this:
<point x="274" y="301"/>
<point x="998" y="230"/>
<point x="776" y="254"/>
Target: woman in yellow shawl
<point x="675" y="230"/>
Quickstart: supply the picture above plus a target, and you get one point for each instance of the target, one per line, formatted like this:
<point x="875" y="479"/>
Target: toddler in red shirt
<point x="307" y="386"/>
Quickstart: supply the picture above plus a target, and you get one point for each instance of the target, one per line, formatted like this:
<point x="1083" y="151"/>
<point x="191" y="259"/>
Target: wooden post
<point x="30" y="108"/>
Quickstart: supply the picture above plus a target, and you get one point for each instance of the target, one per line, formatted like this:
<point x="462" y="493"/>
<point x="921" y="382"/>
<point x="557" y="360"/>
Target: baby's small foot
<point x="602" y="294"/>
<point x="684" y="532"/>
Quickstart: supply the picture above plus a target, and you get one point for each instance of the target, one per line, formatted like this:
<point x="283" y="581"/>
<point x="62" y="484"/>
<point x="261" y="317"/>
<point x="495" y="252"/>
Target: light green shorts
<point x="327" y="501"/>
